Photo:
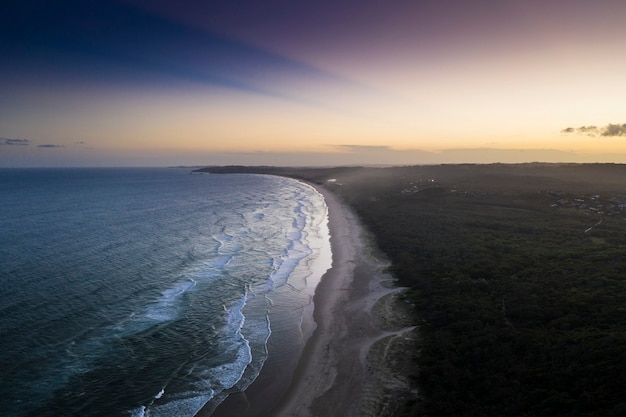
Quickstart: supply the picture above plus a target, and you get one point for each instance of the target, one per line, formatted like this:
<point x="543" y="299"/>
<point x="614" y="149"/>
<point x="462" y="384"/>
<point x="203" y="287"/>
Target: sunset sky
<point x="302" y="82"/>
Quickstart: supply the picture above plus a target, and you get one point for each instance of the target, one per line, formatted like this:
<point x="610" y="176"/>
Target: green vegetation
<point x="517" y="276"/>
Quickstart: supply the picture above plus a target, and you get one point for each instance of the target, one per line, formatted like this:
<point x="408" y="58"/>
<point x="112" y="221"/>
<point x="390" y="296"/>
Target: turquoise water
<point x="149" y="291"/>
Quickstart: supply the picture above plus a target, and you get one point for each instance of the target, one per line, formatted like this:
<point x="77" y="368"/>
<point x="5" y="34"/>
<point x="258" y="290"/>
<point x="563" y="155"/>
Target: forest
<point x="516" y="275"/>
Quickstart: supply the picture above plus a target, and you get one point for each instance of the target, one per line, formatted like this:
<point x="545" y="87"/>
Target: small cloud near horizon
<point x="363" y="148"/>
<point x="610" y="130"/>
<point x="14" y="142"/>
<point x="49" y="145"/>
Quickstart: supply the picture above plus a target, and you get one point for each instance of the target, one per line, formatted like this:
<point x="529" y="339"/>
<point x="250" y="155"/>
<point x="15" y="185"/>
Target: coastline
<point x="343" y="369"/>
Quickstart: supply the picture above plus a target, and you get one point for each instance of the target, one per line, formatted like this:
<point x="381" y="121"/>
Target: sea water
<point x="149" y="291"/>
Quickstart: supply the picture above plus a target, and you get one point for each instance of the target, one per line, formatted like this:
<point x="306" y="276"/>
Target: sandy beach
<point x="353" y="364"/>
<point x="345" y="369"/>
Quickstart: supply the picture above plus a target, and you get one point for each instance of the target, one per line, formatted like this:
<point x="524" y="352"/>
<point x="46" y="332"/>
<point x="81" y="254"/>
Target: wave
<point x="296" y="249"/>
<point x="218" y="263"/>
<point x="209" y="381"/>
<point x="168" y="306"/>
<point x="188" y="406"/>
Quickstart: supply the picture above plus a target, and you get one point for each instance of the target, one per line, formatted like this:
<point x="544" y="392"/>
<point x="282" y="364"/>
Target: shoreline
<point x="317" y="369"/>
<point x="338" y="371"/>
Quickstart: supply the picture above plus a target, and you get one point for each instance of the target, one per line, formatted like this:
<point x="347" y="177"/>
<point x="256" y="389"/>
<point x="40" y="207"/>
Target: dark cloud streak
<point x="14" y="142"/>
<point x="49" y="146"/>
<point x="363" y="148"/>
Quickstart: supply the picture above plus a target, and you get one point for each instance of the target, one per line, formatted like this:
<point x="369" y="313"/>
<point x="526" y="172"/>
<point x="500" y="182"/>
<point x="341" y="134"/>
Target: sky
<point x="318" y="83"/>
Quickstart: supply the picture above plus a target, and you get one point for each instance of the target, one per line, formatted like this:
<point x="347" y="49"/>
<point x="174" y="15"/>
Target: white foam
<point x="167" y="307"/>
<point x="220" y="262"/>
<point x="172" y="293"/>
<point x="185" y="407"/>
<point x="138" y="412"/>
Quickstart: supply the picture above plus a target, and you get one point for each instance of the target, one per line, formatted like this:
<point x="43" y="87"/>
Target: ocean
<point x="150" y="292"/>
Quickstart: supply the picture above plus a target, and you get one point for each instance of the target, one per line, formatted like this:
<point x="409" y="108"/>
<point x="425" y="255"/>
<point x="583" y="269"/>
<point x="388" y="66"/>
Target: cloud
<point x="588" y="129"/>
<point x="49" y="146"/>
<point x="14" y="142"/>
<point x="362" y="148"/>
<point x="583" y="130"/>
<point x="609" y="130"/>
<point x="614" y="130"/>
